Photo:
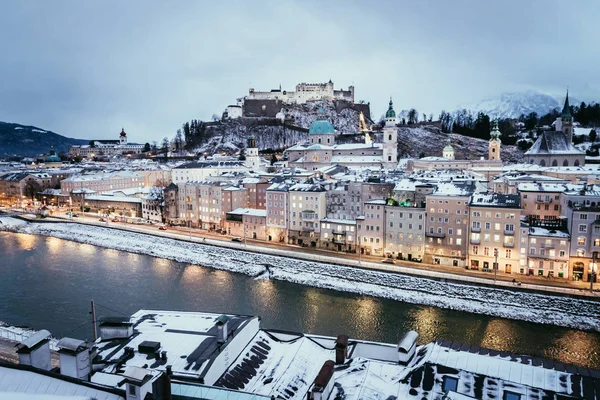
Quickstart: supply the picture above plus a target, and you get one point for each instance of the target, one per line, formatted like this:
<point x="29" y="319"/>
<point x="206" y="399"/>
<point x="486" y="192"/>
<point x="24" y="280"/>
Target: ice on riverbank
<point x="547" y="309"/>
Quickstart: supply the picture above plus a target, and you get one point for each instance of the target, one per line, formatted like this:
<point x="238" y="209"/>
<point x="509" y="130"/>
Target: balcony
<point x="338" y="240"/>
<point x="510" y="233"/>
<point x="476" y="229"/>
<point x="308" y="228"/>
<point x="435" y="235"/>
<point x="543" y="201"/>
<point x="549" y="246"/>
<point x="475" y="241"/>
<point x="511" y="245"/>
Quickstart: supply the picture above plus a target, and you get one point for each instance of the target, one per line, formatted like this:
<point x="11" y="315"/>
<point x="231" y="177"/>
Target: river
<point x="47" y="283"/>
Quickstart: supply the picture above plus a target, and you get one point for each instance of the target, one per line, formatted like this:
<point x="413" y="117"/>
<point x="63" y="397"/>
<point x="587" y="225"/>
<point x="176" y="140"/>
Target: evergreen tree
<point x="146" y="147"/>
<point x="593" y="135"/>
<point x="242" y="155"/>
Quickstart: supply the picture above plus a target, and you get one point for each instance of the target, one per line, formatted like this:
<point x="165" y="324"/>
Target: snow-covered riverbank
<point x="555" y="310"/>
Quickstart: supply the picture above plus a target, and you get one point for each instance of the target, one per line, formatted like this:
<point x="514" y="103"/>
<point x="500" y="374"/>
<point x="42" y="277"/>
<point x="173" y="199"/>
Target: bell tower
<point x="390" y="139"/>
<point x="494" y="144"/>
<point x="252" y="159"/>
<point x="567" y="120"/>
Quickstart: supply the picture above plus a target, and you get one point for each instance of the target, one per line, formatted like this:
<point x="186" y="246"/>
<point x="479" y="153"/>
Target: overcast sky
<point x="86" y="68"/>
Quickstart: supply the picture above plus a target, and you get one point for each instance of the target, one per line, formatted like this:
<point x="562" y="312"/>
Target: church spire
<point x="390" y="112"/>
<point x="566" y="112"/>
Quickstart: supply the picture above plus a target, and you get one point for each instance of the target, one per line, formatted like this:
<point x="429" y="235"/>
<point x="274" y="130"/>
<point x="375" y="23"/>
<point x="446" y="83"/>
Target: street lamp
<point x="358" y="243"/>
<point x="593" y="270"/>
<point x="495" y="264"/>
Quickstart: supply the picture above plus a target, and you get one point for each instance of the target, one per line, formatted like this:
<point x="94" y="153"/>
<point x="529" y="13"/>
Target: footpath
<point x="437" y="272"/>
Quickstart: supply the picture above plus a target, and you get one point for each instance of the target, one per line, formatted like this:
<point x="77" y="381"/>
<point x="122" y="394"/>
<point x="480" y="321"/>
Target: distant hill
<point x="512" y="105"/>
<point x="429" y="141"/>
<point x="28" y="141"/>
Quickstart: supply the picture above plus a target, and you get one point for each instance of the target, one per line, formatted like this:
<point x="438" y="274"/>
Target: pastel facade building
<point x="494" y="232"/>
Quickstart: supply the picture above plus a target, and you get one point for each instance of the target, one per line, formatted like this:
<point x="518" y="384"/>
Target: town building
<point x="198" y="171"/>
<point x="307" y="207"/>
<point x="248" y="223"/>
<point x="102" y="181"/>
<point x="338" y="235"/>
<point x="447" y="225"/>
<point x="404" y="230"/>
<point x="390" y="139"/>
<point x="581" y="207"/>
<point x="494" y="232"/>
<point x="541" y="201"/>
<point x="371" y="228"/>
<point x="548" y="253"/>
<point x="278" y="205"/>
<point x="106" y="148"/>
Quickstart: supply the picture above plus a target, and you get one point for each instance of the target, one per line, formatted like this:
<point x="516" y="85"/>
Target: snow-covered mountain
<point x="512" y="105"/>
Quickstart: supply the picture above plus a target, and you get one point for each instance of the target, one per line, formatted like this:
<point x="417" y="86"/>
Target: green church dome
<point x="321" y="126"/>
<point x="390" y="112"/>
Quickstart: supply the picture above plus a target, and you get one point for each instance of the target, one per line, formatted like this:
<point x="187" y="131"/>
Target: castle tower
<point x="390" y="139"/>
<point x="448" y="152"/>
<point x="494" y="144"/>
<point x="252" y="159"/>
<point x="567" y="120"/>
<point x="123" y="137"/>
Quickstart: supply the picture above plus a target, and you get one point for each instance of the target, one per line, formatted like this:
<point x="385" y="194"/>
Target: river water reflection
<point x="48" y="283"/>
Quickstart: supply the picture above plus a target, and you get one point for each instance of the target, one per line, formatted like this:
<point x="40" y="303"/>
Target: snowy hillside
<point x="228" y="136"/>
<point x="430" y="140"/>
<point x="512" y="105"/>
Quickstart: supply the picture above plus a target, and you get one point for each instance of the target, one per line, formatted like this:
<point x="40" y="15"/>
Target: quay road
<point x="552" y="285"/>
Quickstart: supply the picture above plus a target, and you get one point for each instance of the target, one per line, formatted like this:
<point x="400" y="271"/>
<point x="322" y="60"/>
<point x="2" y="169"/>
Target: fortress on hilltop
<point x="304" y="92"/>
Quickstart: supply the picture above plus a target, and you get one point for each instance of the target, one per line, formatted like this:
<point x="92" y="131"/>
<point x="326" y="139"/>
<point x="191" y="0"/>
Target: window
<point x="131" y="390"/>
<point x="486" y="251"/>
<point x="581" y="241"/>
<point x="450" y="384"/>
<point x="583" y="216"/>
<point x="488" y="226"/>
<point x="582" y="228"/>
<point x="508" y="253"/>
<point x="509" y="228"/>
<point x="511" y="396"/>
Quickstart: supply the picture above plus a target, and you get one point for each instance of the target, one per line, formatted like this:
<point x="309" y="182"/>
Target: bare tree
<point x="413" y="116"/>
<point x="32" y="188"/>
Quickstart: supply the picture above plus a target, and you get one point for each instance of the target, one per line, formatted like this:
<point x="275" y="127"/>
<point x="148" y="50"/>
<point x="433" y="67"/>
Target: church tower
<point x="390" y="139"/>
<point x="252" y="159"/>
<point x="123" y="137"/>
<point x="567" y="120"/>
<point x="494" y="144"/>
<point x="448" y="152"/>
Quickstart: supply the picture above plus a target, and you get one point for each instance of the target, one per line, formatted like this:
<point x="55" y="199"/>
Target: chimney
<point x="222" y="331"/>
<point x="115" y="328"/>
<point x="163" y="355"/>
<point x="35" y="350"/>
<point x="341" y="349"/>
<point x="407" y="347"/>
<point x="75" y="360"/>
<point x="320" y="387"/>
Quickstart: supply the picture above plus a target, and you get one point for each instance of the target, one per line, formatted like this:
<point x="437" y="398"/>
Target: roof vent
<point x="148" y="347"/>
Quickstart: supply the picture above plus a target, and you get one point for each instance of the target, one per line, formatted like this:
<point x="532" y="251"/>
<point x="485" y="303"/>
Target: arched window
<point x="531" y="161"/>
<point x="554" y="163"/>
<point x="576" y="163"/>
<point x="319" y="140"/>
<point x="390" y="137"/>
<point x="543" y="163"/>
<point x="566" y="163"/>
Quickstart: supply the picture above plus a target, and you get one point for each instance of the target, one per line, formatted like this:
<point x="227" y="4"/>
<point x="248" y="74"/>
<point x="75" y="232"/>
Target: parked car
<point x="162" y="227"/>
<point x="115" y="220"/>
<point x="388" y="261"/>
<point x="236" y="239"/>
<point x="417" y="259"/>
<point x="102" y="219"/>
<point x="486" y="270"/>
<point x="75" y="215"/>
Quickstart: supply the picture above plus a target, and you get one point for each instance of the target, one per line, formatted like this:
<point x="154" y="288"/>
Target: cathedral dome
<point x="321" y="126"/>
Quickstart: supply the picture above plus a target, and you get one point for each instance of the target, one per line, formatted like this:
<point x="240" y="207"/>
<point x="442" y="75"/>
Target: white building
<point x="304" y="92"/>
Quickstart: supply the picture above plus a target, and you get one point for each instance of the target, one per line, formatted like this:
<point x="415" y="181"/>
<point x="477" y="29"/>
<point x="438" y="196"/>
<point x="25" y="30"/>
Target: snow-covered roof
<point x="121" y="199"/>
<point x="496" y="200"/>
<point x="188" y="338"/>
<point x="339" y="221"/>
<point x="553" y="142"/>
<point x="254" y="212"/>
<point x="36" y="384"/>
<point x="541" y="187"/>
<point x="357" y="146"/>
<point x="356" y="159"/>
<point x="537" y="231"/>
